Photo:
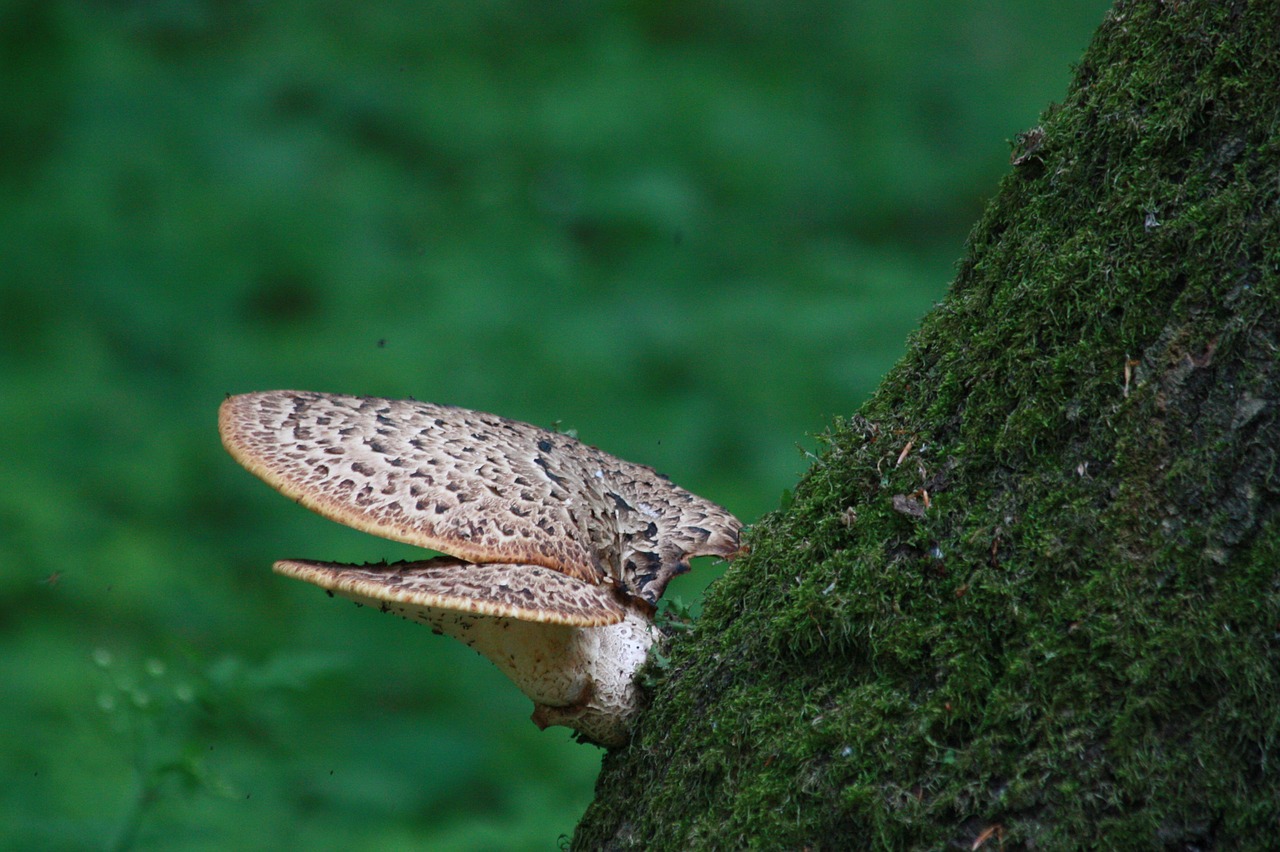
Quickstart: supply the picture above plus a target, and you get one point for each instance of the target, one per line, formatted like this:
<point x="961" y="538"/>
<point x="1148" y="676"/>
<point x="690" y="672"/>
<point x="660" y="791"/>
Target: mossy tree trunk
<point x="1030" y="594"/>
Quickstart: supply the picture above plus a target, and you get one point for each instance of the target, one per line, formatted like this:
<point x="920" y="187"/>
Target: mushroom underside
<point x="571" y="647"/>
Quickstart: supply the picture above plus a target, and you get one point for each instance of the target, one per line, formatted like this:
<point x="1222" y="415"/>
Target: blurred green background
<point x="692" y="232"/>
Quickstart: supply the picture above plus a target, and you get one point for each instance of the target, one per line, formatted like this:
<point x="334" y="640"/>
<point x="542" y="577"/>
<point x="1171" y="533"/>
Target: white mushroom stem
<point x="579" y="677"/>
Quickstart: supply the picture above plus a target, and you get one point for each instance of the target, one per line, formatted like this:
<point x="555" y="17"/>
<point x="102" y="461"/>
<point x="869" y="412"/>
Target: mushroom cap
<point x="477" y="486"/>
<point x="524" y="592"/>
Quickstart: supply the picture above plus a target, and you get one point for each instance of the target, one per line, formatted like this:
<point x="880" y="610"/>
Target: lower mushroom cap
<point x="578" y="676"/>
<point x="524" y="592"/>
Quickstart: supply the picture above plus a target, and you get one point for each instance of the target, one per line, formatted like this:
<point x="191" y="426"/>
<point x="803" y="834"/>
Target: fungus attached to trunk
<point x="558" y="552"/>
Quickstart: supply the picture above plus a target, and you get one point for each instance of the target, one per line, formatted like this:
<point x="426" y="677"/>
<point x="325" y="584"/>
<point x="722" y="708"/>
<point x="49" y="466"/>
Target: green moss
<point x="1078" y="640"/>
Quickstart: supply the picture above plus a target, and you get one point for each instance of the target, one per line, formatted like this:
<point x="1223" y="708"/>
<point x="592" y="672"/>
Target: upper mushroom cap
<point x="476" y="486"/>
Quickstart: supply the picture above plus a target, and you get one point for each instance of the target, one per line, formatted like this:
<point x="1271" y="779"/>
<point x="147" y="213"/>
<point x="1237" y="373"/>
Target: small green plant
<point x="154" y="711"/>
<point x="164" y="712"/>
<point x="674" y="616"/>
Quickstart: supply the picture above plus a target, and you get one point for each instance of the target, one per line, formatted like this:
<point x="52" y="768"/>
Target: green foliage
<point x="690" y="231"/>
<point x="161" y="721"/>
<point x="1030" y="592"/>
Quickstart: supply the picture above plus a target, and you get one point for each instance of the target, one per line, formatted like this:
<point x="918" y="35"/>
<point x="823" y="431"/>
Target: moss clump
<point x="1032" y="591"/>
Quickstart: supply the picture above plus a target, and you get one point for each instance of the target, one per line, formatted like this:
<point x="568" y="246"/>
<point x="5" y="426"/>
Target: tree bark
<point x="1029" y="596"/>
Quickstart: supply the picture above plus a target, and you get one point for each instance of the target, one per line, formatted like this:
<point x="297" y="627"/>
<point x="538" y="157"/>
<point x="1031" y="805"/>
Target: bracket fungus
<point x="558" y="552"/>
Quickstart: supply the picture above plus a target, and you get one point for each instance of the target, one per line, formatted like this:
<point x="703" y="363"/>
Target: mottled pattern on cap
<point x="479" y="487"/>
<point x="524" y="592"/>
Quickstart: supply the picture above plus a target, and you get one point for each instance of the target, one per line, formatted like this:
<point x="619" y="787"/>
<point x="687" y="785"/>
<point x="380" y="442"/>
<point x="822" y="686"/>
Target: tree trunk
<point x="1030" y="595"/>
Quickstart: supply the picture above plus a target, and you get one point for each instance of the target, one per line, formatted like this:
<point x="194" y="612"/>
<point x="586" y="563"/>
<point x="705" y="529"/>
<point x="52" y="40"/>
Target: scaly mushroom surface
<point x="558" y="552"/>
